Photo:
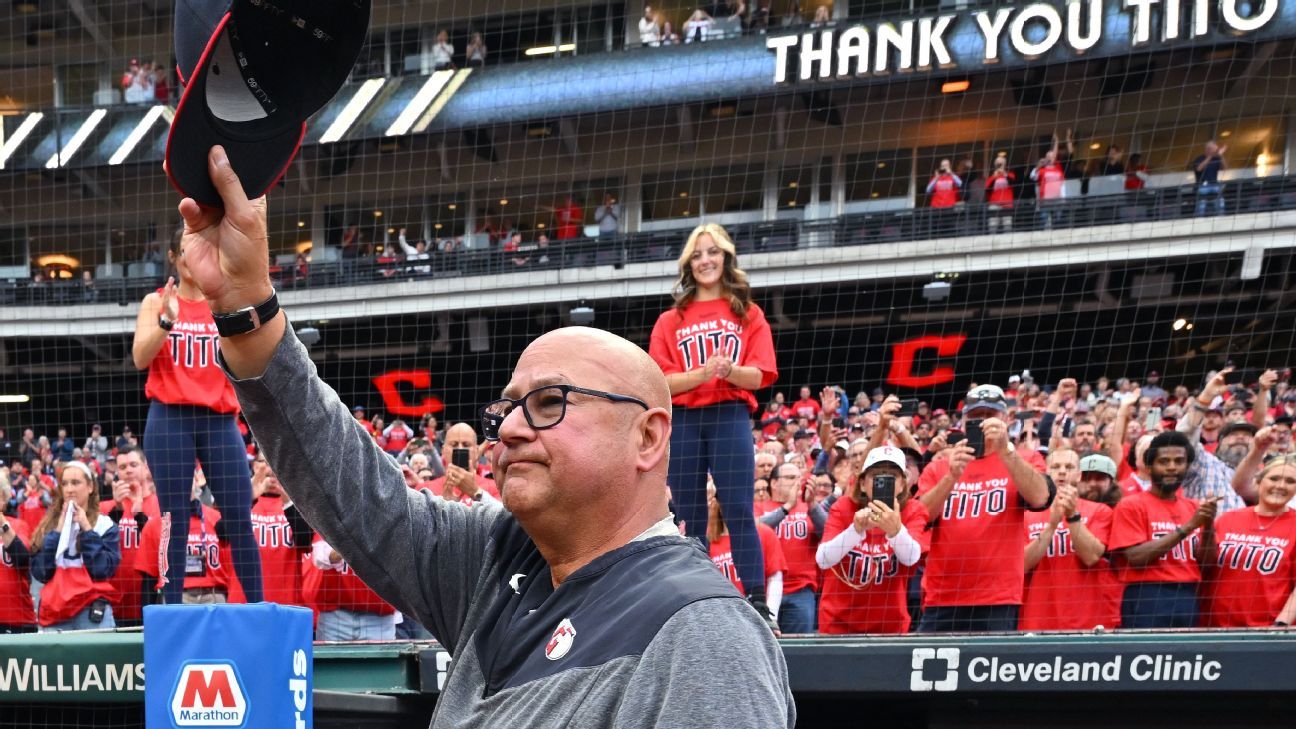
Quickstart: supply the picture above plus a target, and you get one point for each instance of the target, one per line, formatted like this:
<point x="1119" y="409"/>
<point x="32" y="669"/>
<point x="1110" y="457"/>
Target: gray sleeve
<point x="419" y="553"/>
<point x="772" y="518"/>
<point x="818" y="518"/>
<point x="714" y="664"/>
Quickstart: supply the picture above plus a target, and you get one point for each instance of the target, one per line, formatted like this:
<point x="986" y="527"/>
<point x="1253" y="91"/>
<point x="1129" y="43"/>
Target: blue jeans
<point x="717" y="438"/>
<point x="1159" y="605"/>
<point x="1210" y="193"/>
<point x="336" y="625"/>
<point x="411" y="629"/>
<point x="82" y="622"/>
<point x="969" y="618"/>
<point x="799" y="612"/>
<point x="174" y="436"/>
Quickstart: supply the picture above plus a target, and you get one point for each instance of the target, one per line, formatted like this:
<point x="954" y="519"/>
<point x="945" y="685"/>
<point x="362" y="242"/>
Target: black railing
<point x="1164" y="204"/>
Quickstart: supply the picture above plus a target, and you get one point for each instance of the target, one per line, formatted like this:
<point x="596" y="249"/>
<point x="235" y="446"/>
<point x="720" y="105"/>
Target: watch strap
<point x="1074" y="518"/>
<point x="164" y="323"/>
<point x="248" y="319"/>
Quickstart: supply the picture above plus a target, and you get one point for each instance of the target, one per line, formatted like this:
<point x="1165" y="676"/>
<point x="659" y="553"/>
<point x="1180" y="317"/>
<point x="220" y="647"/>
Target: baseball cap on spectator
<point x="1014" y="379"/>
<point x="254" y="73"/>
<point x="803" y="433"/>
<point x="1284" y="420"/>
<point x="1290" y="396"/>
<point x="1096" y="462"/>
<point x="842" y="445"/>
<point x="884" y="454"/>
<point x="1234" y="405"/>
<point x="358" y="409"/>
<point x="1231" y="428"/>
<point x="1153" y="373"/>
<point x="985" y="396"/>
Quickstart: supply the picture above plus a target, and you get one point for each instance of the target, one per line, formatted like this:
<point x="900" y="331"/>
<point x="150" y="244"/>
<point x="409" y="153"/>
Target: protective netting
<point x="1092" y="217"/>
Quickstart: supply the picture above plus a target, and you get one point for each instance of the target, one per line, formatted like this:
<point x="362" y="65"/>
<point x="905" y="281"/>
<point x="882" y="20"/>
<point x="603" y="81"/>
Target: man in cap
<point x="1208" y="476"/>
<point x="1098" y="479"/>
<point x="1152" y="388"/>
<point x="1069" y="585"/>
<point x="579" y="604"/>
<point x="975" y="570"/>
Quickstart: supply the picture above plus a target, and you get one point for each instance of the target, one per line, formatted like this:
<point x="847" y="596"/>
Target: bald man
<point x="581" y="605"/>
<point x="464" y="485"/>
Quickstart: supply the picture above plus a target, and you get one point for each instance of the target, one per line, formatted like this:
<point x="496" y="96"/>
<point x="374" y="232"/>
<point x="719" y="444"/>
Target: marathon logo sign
<point x="954" y="669"/>
<point x="209" y="694"/>
<point x="1039" y="30"/>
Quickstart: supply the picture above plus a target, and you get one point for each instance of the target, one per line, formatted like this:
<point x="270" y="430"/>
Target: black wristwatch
<point x="247" y="319"/>
<point x="1074" y="518"/>
<point x="165" y="324"/>
<point x="5" y="528"/>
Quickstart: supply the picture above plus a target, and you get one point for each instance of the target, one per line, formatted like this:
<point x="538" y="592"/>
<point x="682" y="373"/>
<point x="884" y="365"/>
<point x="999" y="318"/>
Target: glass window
<point x="1257" y="143"/>
<point x="671" y="195"/>
<point x="878" y="175"/>
<point x="78" y="83"/>
<point x="735" y="189"/>
<point x="794" y="187"/>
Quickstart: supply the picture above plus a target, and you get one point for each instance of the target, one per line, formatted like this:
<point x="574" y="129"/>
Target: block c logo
<point x="209" y="694"/>
<point x="921" y="656"/>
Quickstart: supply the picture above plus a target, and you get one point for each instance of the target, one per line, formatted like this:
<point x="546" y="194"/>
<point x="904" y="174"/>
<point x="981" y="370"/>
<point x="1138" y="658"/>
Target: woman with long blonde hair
<point x="79" y="550"/>
<point x="715" y="349"/>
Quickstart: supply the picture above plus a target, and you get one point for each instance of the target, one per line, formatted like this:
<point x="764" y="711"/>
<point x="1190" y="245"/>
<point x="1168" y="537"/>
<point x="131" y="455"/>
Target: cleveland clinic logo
<point x="934" y="669"/>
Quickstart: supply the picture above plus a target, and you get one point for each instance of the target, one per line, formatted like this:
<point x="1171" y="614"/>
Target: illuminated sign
<point x="1032" y="31"/>
<point x="395" y="403"/>
<point x="904" y="353"/>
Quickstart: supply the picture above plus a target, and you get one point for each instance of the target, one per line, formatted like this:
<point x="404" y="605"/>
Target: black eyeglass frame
<point x="491" y="423"/>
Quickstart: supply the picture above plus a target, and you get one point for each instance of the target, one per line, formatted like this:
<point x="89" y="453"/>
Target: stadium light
<point x="955" y="87"/>
<point x="139" y="131"/>
<point x="546" y="50"/>
<point x="451" y="88"/>
<point x="21" y="133"/>
<point x="410" y="114"/>
<point x="14" y="399"/>
<point x="342" y="124"/>
<point x="60" y="158"/>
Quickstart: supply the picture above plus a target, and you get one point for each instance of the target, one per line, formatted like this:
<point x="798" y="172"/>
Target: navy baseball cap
<point x="254" y="71"/>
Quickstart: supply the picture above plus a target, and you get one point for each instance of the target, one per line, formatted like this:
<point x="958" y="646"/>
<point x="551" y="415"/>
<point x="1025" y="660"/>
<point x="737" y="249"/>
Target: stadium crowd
<point x="1072" y="506"/>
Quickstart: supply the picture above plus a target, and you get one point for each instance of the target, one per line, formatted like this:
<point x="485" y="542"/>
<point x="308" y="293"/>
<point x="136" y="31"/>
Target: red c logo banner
<point x="902" y="360"/>
<point x="395" y="404"/>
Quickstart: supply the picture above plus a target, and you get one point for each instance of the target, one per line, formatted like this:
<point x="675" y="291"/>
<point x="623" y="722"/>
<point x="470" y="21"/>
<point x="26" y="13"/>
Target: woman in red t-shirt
<point x="17" y="614"/>
<point x="715" y="349"/>
<point x="721" y="552"/>
<point x="999" y="195"/>
<point x="193" y="415"/>
<point x="1249" y="583"/>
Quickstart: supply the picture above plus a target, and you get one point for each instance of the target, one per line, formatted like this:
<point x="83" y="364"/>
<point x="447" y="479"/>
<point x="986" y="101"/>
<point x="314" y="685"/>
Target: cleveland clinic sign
<point x="983" y="39"/>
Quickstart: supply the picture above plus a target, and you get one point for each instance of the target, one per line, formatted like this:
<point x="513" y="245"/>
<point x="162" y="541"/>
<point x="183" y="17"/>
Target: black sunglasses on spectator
<point x="544" y="407"/>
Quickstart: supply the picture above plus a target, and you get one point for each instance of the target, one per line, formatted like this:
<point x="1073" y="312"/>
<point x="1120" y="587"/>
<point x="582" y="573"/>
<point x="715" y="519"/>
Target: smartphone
<point x="975" y="438"/>
<point x="1025" y="415"/>
<point x="838" y="423"/>
<point x="459" y="457"/>
<point x="955" y="437"/>
<point x="908" y="408"/>
<point x="884" y="489"/>
<point x="1153" y="419"/>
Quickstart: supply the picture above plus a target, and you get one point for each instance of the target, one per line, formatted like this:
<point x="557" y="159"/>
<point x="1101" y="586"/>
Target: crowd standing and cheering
<point x="1063" y="506"/>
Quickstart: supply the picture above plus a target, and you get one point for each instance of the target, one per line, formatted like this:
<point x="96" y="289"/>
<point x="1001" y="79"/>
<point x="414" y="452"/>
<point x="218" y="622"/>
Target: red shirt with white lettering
<point x="722" y="556"/>
<point x="999" y="189"/>
<point x="684" y="342"/>
<point x="1052" y="181"/>
<point x="280" y="556"/>
<point x="1254" y="571"/>
<point x="944" y="190"/>
<point x="209" y="563"/>
<point x="807" y="408"/>
<point x="16" y="606"/>
<point x="126" y="579"/>
<point x="866" y="592"/>
<point x="1061" y="592"/>
<point x="340" y="589"/>
<point x="1144" y="517"/>
<point x="976" y="553"/>
<point x="184" y="371"/>
<point x="796" y="537"/>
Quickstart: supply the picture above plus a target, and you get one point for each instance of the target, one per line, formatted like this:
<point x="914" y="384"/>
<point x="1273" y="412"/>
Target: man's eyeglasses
<point x="544" y="407"/>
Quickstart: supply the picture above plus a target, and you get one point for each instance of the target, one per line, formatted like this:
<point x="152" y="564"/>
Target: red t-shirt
<point x="866" y="591"/>
<point x="340" y="589"/>
<point x="214" y="567"/>
<point x="796" y="537"/>
<point x="722" y="556"/>
<point x="436" y="485"/>
<point x="976" y="553"/>
<point x="1052" y="179"/>
<point x="1130" y="485"/>
<point x="684" y="342"/>
<point x="1144" y="517"/>
<point x="280" y="557"/>
<point x="184" y="371"/>
<point x="1254" y="572"/>
<point x="31" y="511"/>
<point x="1132" y="180"/>
<point x="126" y="579"/>
<point x="944" y="190"/>
<point x="1061" y="592"/>
<point x="16" y="606"/>
<point x="570" y="218"/>
<point x="807" y="408"/>
<point x="999" y="189"/>
<point x="783" y="413"/>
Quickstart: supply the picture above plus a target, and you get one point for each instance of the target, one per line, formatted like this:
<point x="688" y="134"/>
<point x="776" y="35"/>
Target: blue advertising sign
<point x="227" y="666"/>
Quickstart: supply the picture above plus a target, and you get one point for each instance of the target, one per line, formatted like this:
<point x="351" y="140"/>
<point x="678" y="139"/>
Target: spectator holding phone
<point x="461" y="482"/>
<point x="1069" y="586"/>
<point x="977" y="496"/>
<point x="873" y="540"/>
<point x="78" y="553"/>
<point x="1250" y="575"/>
<point x="1159" y="536"/>
<point x="715" y="348"/>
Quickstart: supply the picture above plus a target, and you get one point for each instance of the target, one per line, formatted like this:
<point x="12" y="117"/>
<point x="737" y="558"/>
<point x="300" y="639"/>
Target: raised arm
<point x="1260" y="408"/>
<point x="1115" y="448"/>
<point x="1244" y="476"/>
